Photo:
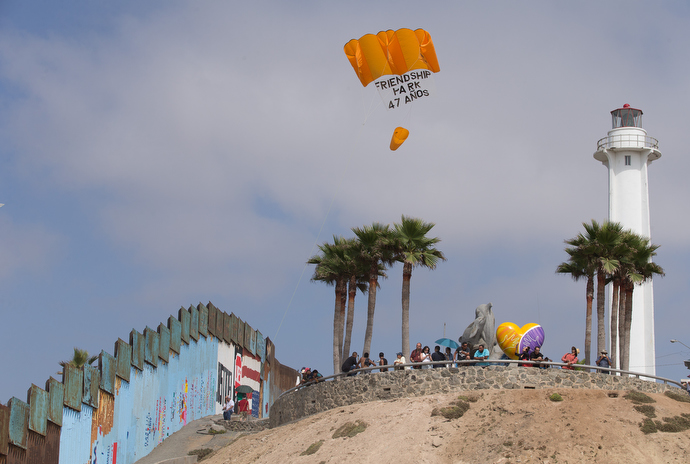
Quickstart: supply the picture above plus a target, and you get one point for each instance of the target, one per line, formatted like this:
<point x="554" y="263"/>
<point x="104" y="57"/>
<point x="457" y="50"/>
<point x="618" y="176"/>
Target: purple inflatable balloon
<point x="533" y="337"/>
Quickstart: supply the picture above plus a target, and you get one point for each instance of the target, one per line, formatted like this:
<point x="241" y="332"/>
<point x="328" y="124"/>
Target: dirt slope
<point x="519" y="426"/>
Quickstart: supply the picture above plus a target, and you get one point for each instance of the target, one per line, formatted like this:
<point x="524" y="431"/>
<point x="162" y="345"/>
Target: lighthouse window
<point x="627" y="160"/>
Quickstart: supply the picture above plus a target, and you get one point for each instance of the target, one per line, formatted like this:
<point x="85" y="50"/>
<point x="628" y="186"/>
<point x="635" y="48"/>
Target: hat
<point x="399" y="353"/>
<point x="604" y="352"/>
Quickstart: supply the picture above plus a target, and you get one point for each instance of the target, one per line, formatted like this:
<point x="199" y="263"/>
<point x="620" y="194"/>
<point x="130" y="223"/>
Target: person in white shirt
<point x="228" y="408"/>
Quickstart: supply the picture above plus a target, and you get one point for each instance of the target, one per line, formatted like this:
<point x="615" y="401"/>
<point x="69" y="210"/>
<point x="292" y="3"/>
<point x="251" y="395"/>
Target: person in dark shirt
<point x="438" y="356"/>
<point x="524" y="356"/>
<point x="383" y="362"/>
<point x="463" y="353"/>
<point x="604" y="361"/>
<point x="537" y="356"/>
<point x="350" y="363"/>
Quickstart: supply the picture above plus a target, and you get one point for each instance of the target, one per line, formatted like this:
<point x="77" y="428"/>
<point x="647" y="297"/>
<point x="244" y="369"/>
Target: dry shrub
<point x="201" y="453"/>
<point x="312" y="449"/>
<point x="674" y="424"/>
<point x="639" y="397"/>
<point x="648" y="426"/>
<point x="454" y="411"/>
<point x="646" y="409"/>
<point x="350" y="429"/>
<point x="682" y="397"/>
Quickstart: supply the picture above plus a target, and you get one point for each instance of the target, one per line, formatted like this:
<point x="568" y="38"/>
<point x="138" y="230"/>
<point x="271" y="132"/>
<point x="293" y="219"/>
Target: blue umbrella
<point x="447" y="342"/>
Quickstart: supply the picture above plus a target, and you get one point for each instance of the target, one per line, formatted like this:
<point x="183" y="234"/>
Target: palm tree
<point x="640" y="269"/>
<point x="413" y="248"/>
<point x="331" y="269"/>
<point x="592" y="253"/>
<point x="356" y="274"/>
<point x="580" y="266"/>
<point x="376" y="255"/>
<point x="604" y="239"/>
<point x="80" y="358"/>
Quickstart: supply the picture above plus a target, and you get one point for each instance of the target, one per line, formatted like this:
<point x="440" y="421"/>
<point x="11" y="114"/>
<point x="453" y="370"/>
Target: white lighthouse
<point x="627" y="151"/>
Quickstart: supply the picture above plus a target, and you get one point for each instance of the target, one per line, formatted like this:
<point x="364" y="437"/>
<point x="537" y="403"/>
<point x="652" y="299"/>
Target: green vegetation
<point x="312" y="449"/>
<point x="215" y="432"/>
<point x="638" y="397"/>
<point x="350" y="429"/>
<point x="647" y="426"/>
<point x="470" y="399"/>
<point x="646" y="409"/>
<point x="454" y="411"/>
<point x="556" y="397"/>
<point x="201" y="453"/>
<point x="673" y="424"/>
<point x="682" y="397"/>
<point x="80" y="358"/>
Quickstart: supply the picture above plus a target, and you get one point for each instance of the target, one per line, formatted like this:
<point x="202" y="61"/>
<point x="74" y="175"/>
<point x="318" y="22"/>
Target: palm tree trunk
<point x="588" y="318"/>
<point x="407" y="275"/>
<point x="337" y="331"/>
<point x="625" y="362"/>
<point x="615" y="291"/>
<point x="601" y="311"/>
<point x="343" y="305"/>
<point x="371" y="304"/>
<point x="622" y="309"/>
<point x="352" y="290"/>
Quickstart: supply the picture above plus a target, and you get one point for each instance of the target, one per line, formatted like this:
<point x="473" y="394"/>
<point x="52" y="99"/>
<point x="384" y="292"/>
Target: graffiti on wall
<point x="224" y="383"/>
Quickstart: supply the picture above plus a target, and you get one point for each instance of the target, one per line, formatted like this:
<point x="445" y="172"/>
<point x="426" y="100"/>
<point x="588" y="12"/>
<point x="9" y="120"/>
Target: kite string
<point x="367" y="113"/>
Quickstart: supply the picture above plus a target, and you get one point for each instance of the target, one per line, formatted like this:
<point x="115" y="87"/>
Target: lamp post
<point x="687" y="363"/>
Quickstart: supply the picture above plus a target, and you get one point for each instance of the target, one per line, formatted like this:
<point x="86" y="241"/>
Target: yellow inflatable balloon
<point x="399" y="136"/>
<point x="512" y="338"/>
<point x="400" y="63"/>
<point x="391" y="52"/>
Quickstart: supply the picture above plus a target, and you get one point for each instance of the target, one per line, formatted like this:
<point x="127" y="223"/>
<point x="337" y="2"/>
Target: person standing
<point x="604" y="361"/>
<point x="449" y="356"/>
<point x="570" y="359"/>
<point x="481" y="354"/>
<point x="228" y="407"/>
<point x="463" y="354"/>
<point x="426" y="357"/>
<point x="416" y="356"/>
<point x="437" y="356"/>
<point x="383" y="362"/>
<point x="243" y="407"/>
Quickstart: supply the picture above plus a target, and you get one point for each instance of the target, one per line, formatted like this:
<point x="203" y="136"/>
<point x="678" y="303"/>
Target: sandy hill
<point x="517" y="426"/>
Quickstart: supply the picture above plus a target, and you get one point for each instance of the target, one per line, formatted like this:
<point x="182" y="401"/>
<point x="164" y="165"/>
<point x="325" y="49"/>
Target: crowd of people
<point x="309" y="376"/>
<point x="464" y="355"/>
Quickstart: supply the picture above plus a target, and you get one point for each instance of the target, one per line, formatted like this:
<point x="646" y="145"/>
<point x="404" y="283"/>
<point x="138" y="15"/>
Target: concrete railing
<point x="370" y="385"/>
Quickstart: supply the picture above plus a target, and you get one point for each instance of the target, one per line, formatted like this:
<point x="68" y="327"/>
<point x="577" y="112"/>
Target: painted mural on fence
<point x="120" y="421"/>
<point x="154" y="404"/>
<point x="226" y="377"/>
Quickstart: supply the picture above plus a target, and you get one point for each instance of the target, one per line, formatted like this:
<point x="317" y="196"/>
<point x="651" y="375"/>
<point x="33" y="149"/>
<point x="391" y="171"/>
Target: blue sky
<point x="164" y="153"/>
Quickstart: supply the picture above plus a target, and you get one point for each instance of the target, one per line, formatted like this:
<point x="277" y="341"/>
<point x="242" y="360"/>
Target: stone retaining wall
<point x="375" y="386"/>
